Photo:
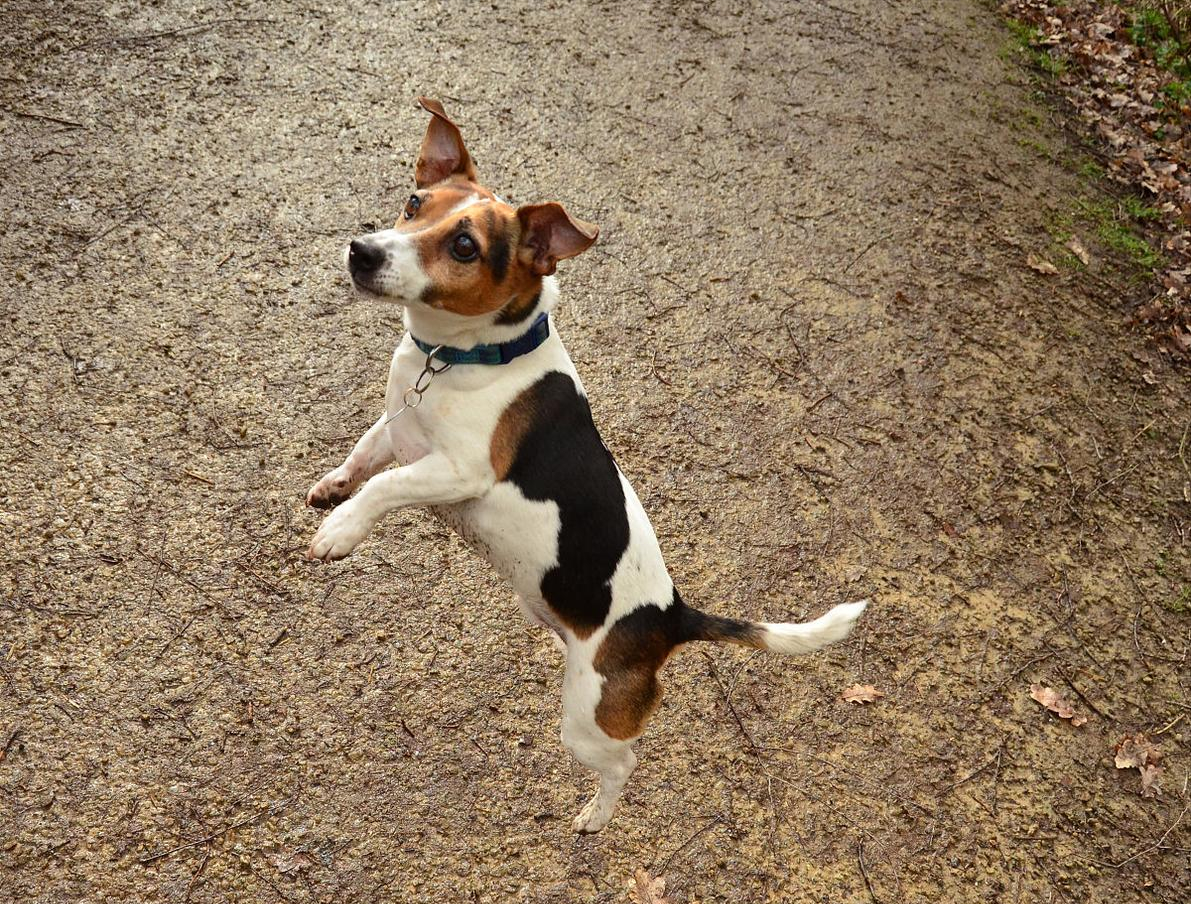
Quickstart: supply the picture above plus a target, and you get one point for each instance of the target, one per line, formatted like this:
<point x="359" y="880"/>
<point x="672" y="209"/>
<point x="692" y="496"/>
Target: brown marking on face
<point x="497" y="277"/>
<point x="514" y="422"/>
<point x="517" y="247"/>
<point x="629" y="658"/>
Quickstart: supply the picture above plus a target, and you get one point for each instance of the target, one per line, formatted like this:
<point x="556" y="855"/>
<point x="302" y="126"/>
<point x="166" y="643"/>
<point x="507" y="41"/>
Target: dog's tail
<point x="789" y="637"/>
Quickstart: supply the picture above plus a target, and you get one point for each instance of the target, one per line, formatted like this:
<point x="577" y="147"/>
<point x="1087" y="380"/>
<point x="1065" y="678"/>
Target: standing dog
<point x="503" y="448"/>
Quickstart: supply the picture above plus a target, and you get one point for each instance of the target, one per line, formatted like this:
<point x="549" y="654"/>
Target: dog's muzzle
<point x="364" y="258"/>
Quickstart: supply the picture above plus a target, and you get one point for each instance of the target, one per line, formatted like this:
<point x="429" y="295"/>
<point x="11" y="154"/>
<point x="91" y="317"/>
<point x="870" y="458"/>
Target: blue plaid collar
<point x="497" y="353"/>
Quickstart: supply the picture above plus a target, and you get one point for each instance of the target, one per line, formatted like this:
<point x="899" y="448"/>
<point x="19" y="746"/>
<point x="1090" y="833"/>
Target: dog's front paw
<point x="333" y="489"/>
<point x="339" y="534"/>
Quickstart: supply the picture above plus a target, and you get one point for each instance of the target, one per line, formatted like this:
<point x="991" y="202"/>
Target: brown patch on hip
<point x="629" y="659"/>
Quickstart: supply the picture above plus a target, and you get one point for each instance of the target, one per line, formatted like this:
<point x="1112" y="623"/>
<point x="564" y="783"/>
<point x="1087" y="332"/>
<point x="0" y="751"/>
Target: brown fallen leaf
<point x="646" y="890"/>
<point x="1052" y="700"/>
<point x="1149" y="779"/>
<point x="294" y="862"/>
<point x="1136" y="751"/>
<point x="1041" y="265"/>
<point x="862" y="693"/>
<point x="1075" y="246"/>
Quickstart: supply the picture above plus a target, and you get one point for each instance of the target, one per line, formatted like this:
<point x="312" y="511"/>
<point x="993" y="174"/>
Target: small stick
<point x="12" y="739"/>
<point x="30" y="115"/>
<point x="198" y="872"/>
<point x="728" y="701"/>
<point x="715" y="820"/>
<point x="864" y="872"/>
<point x="1153" y="847"/>
<point x="269" y="584"/>
<point x="268" y="811"/>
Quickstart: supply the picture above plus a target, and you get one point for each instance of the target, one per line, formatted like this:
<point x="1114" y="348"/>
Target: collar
<point x="495" y="353"/>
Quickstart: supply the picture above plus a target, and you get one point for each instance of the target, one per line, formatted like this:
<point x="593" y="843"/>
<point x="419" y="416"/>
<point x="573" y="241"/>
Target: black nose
<point x="363" y="256"/>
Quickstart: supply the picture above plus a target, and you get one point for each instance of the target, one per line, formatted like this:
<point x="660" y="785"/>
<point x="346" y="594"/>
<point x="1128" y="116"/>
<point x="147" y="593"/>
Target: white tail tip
<point x="807" y="637"/>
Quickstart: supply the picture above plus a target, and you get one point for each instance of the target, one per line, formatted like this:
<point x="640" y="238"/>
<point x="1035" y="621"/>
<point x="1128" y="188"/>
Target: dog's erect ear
<point x="550" y="234"/>
<point x="443" y="153"/>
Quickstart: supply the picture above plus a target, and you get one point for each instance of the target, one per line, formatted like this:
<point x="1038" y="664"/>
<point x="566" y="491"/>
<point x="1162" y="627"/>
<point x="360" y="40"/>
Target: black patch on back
<point x="561" y="459"/>
<point x="515" y="313"/>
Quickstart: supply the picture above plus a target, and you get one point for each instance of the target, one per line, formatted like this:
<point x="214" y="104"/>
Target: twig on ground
<point x="198" y="872"/>
<point x="728" y="702"/>
<point x="714" y="821"/>
<point x="1146" y="850"/>
<point x="12" y="739"/>
<point x="268" y="811"/>
<point x="29" y="114"/>
<point x="864" y="872"/>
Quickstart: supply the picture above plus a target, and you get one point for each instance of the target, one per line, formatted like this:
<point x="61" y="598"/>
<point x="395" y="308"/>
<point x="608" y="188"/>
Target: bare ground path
<point x="812" y="340"/>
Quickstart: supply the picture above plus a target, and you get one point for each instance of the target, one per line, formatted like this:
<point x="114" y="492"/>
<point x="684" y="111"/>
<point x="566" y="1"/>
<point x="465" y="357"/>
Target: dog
<point x="490" y="428"/>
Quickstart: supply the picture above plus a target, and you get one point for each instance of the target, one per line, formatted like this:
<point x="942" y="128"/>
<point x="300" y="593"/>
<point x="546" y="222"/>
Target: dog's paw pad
<point x="329" y="492"/>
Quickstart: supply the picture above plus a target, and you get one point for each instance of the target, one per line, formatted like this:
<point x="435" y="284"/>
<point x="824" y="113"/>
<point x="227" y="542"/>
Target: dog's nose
<point x="363" y="256"/>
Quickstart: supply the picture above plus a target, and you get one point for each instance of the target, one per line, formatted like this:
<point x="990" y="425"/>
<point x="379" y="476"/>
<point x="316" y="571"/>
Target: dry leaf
<point x="645" y="890"/>
<point x="293" y="862"/>
<point x="1149" y="778"/>
<point x="1052" y="700"/>
<point x="862" y="693"/>
<point x="1136" y="751"/>
<point x="1041" y="265"/>
<point x="1075" y="246"/>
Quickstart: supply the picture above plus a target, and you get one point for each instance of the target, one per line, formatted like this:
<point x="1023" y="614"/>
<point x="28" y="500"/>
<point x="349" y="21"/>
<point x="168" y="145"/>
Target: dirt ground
<point x="812" y="340"/>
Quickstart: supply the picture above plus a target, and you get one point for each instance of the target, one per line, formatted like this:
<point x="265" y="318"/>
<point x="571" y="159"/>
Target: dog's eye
<point x="411" y="206"/>
<point x="463" y="248"/>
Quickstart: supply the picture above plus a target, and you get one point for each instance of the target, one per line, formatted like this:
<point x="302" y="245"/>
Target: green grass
<point x="1025" y="43"/>
<point x="1180" y="604"/>
<point x="1151" y="29"/>
<point x="1139" y="210"/>
<point x="1113" y="223"/>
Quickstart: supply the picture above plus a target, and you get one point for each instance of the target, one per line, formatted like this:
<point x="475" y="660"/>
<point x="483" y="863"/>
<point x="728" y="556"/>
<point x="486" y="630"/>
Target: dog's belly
<point x="518" y="536"/>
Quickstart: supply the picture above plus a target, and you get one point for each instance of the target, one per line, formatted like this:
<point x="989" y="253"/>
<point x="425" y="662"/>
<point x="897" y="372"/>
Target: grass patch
<point x="1026" y="43"/>
<point x="1161" y="28"/>
<point x="1114" y="222"/>
<point x="1181" y="604"/>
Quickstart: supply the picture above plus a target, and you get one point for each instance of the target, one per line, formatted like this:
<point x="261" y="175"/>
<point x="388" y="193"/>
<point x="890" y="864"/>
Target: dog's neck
<point x="438" y="327"/>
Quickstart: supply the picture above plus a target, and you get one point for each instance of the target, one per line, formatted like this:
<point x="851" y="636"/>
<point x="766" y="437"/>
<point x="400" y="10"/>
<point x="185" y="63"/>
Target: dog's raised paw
<point x="329" y="492"/>
<point x="338" y="535"/>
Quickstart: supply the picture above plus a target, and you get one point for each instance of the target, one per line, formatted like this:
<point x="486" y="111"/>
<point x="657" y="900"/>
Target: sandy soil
<point x="810" y="337"/>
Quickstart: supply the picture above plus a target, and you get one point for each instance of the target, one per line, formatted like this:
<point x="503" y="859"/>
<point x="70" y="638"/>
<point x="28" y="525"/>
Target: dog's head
<point x="456" y="246"/>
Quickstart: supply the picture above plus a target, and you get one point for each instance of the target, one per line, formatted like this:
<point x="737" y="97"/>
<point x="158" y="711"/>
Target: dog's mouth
<point x="364" y="286"/>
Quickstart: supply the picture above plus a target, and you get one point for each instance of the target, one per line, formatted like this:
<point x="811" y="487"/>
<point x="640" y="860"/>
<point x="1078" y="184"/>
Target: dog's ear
<point x="550" y="234"/>
<point x="443" y="153"/>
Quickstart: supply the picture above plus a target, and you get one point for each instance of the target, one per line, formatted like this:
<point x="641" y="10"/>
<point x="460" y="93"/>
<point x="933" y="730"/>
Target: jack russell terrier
<point x="503" y="448"/>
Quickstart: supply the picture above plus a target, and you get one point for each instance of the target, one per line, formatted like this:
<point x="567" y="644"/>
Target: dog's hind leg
<point x="602" y="716"/>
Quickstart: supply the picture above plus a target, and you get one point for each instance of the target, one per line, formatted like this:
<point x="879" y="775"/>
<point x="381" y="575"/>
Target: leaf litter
<point x="862" y="693"/>
<point x="1137" y="108"/>
<point x="1140" y="753"/>
<point x="1057" y="704"/>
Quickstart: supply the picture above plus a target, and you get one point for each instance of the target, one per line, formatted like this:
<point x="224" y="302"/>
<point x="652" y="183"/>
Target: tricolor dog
<point x="497" y="439"/>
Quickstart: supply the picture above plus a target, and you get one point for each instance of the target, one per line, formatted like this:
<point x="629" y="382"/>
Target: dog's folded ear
<point x="550" y="234"/>
<point x="443" y="153"/>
